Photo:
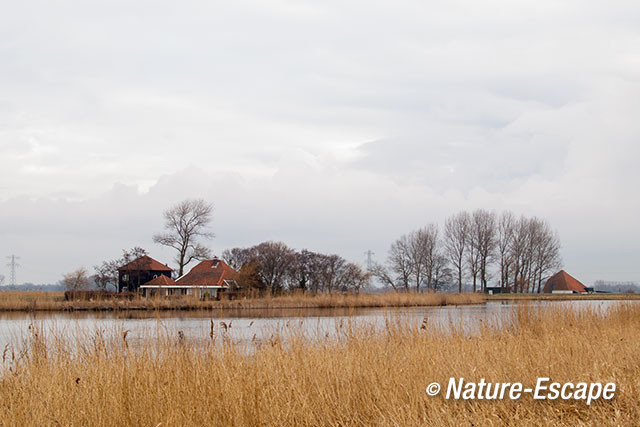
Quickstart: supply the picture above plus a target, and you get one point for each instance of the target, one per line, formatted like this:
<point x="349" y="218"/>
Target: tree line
<point x="275" y="267"/>
<point x="475" y="248"/>
<point x="519" y="254"/>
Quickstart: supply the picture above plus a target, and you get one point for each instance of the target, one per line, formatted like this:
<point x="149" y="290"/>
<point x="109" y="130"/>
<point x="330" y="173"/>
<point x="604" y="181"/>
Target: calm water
<point x="248" y="326"/>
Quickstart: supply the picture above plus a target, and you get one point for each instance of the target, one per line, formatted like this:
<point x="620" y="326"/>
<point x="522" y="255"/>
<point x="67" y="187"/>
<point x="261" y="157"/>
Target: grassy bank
<point x="54" y="301"/>
<point x="365" y="377"/>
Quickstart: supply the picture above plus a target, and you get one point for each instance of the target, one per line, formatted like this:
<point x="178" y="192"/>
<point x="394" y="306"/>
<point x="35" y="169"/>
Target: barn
<point x="563" y="283"/>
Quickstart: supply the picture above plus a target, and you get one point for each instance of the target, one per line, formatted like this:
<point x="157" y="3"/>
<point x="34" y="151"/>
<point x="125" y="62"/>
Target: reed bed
<point x="562" y="297"/>
<point x="364" y="376"/>
<point x="54" y="301"/>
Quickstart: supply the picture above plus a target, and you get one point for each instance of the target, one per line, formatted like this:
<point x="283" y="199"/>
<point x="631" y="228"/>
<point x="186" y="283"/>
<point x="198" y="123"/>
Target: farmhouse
<point x="563" y="283"/>
<point x="205" y="280"/>
<point x="140" y="271"/>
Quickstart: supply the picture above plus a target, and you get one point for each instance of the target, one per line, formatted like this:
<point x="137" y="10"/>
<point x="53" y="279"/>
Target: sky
<point x="335" y="126"/>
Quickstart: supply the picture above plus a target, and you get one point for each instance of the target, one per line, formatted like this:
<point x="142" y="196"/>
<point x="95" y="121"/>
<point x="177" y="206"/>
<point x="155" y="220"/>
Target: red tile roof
<point x="563" y="281"/>
<point x="145" y="263"/>
<point x="161" y="280"/>
<point x="208" y="273"/>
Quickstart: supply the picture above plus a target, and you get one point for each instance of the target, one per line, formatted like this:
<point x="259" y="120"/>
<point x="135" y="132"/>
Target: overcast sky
<point x="335" y="126"/>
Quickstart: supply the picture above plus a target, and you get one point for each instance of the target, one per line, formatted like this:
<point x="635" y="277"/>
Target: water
<point x="250" y="326"/>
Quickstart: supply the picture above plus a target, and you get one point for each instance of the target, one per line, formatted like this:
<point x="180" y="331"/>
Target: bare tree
<point x="456" y="237"/>
<point x="186" y="223"/>
<point x="410" y="261"/>
<point x="482" y="245"/>
<point x="1" y="279"/>
<point x="382" y="273"/>
<point x="316" y="265"/>
<point x="237" y="257"/>
<point x="273" y="260"/>
<point x="423" y="245"/>
<point x="301" y="270"/>
<point x="525" y="252"/>
<point x="473" y="260"/>
<point x="76" y="280"/>
<point x="534" y="252"/>
<point x="354" y="278"/>
<point x="442" y="274"/>
<point x="107" y="274"/>
<point x="505" y="227"/>
<point x="330" y="270"/>
<point x="546" y="253"/>
<point x="399" y="260"/>
<point x="520" y="247"/>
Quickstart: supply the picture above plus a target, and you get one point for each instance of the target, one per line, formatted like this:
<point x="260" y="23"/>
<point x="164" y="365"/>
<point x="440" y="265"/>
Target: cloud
<point x="334" y="126"/>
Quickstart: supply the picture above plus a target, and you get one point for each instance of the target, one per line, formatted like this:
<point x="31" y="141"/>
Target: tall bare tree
<point x="456" y="238"/>
<point x="399" y="260"/>
<point x="520" y="248"/>
<point x="483" y="241"/>
<point x="416" y="257"/>
<point x="410" y="261"/>
<point x="186" y="223"/>
<point x="473" y="260"/>
<point x="546" y="253"/>
<point x="442" y="274"/>
<point x="424" y="244"/>
<point x="505" y="227"/>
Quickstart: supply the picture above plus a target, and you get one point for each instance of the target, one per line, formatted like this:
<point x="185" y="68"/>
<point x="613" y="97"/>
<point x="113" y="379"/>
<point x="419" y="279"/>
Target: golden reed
<point x="54" y="301"/>
<point x="366" y="376"/>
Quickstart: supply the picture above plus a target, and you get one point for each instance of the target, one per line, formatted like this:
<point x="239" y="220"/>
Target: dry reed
<point x="365" y="377"/>
<point x="54" y="301"/>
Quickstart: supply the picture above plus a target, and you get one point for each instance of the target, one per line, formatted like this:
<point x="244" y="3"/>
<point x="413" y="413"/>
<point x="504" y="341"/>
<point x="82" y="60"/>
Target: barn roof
<point x="161" y="280"/>
<point x="563" y="281"/>
<point x="145" y="262"/>
<point x="212" y="272"/>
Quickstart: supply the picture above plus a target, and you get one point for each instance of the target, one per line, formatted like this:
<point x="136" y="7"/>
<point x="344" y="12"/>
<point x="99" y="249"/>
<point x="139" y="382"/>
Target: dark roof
<point x="563" y="281"/>
<point x="144" y="263"/>
<point x="208" y="273"/>
<point x="161" y="280"/>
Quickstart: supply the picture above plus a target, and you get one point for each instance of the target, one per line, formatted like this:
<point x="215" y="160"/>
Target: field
<point x="54" y="301"/>
<point x="364" y="376"/>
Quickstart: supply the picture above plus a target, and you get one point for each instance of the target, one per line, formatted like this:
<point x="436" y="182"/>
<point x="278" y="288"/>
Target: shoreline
<point x="29" y="302"/>
<point x="38" y="302"/>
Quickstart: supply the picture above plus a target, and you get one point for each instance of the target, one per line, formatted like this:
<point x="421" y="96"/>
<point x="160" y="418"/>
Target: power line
<point x="13" y="265"/>
<point x="369" y="255"/>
